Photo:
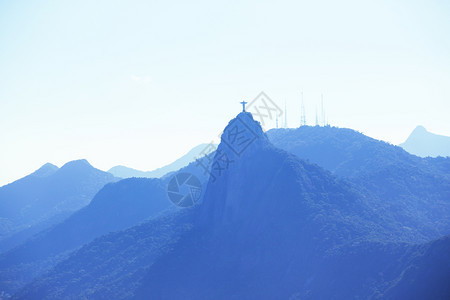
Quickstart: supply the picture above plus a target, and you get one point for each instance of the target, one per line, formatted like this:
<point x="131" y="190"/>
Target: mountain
<point x="115" y="207"/>
<point x="193" y="154"/>
<point x="378" y="270"/>
<point x="424" y="143"/>
<point x="45" y="171"/>
<point x="265" y="225"/>
<point x="344" y="152"/>
<point x="270" y="226"/>
<point x="48" y="194"/>
<point x="111" y="266"/>
<point x="424" y="273"/>
<point x="413" y="190"/>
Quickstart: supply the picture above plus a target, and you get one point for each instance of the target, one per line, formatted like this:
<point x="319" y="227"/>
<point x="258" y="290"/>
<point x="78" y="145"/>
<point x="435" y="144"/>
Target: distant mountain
<point x="48" y="194"/>
<point x="270" y="226"/>
<point x="45" y="171"/>
<point x="424" y="143"/>
<point x="194" y="153"/>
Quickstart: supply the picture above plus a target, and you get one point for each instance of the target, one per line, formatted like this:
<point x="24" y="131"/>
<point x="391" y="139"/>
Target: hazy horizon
<point x="141" y="83"/>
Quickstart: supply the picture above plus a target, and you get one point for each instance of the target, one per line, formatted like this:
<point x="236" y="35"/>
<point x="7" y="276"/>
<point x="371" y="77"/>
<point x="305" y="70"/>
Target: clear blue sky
<point x="139" y="83"/>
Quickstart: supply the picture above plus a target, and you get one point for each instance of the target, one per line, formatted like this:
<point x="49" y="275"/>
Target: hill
<point x="345" y="152"/>
<point x="47" y="196"/>
<point x="115" y="207"/>
<point x="413" y="190"/>
<point x="424" y="143"/>
<point x="111" y="266"/>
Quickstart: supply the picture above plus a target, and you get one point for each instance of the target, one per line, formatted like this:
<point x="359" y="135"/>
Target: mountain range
<point x="117" y="206"/>
<point x="274" y="223"/>
<point x="46" y="197"/>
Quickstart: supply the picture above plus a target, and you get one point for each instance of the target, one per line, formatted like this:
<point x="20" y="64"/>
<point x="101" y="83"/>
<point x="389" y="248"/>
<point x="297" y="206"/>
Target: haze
<point x="139" y="83"/>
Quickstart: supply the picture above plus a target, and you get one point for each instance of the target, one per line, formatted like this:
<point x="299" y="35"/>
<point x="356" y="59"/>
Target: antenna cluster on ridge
<point x="320" y="120"/>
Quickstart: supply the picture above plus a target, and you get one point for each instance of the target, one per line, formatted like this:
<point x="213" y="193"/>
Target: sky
<point x="140" y="83"/>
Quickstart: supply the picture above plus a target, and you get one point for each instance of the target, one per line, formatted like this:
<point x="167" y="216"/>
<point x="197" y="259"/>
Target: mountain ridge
<point x="414" y="189"/>
<point x="45" y="170"/>
<point x="46" y="193"/>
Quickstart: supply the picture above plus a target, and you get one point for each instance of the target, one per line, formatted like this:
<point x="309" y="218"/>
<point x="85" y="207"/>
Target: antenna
<point x="323" y="112"/>
<point x="317" y="119"/>
<point x="302" y="114"/>
<point x="285" y="115"/>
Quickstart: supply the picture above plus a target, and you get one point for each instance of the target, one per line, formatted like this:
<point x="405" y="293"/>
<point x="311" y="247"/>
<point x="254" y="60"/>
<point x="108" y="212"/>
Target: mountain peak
<point x="419" y="129"/>
<point x="46" y="170"/>
<point x="247" y="119"/>
<point x="241" y="132"/>
<point x="423" y="143"/>
<point x="77" y="164"/>
<point x="242" y="137"/>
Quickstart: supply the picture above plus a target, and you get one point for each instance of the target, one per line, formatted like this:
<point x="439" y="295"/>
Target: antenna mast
<point x="303" y="114"/>
<point x="285" y="115"/>
<point x="317" y="119"/>
<point x="323" y="111"/>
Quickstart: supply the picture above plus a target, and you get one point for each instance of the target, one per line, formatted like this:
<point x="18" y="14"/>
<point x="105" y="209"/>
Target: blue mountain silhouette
<point x="270" y="226"/>
<point x="47" y="196"/>
<point x="414" y="191"/>
<point x="115" y="207"/>
<point x="424" y="143"/>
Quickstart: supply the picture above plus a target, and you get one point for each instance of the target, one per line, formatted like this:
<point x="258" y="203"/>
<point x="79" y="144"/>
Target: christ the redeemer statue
<point x="243" y="105"/>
